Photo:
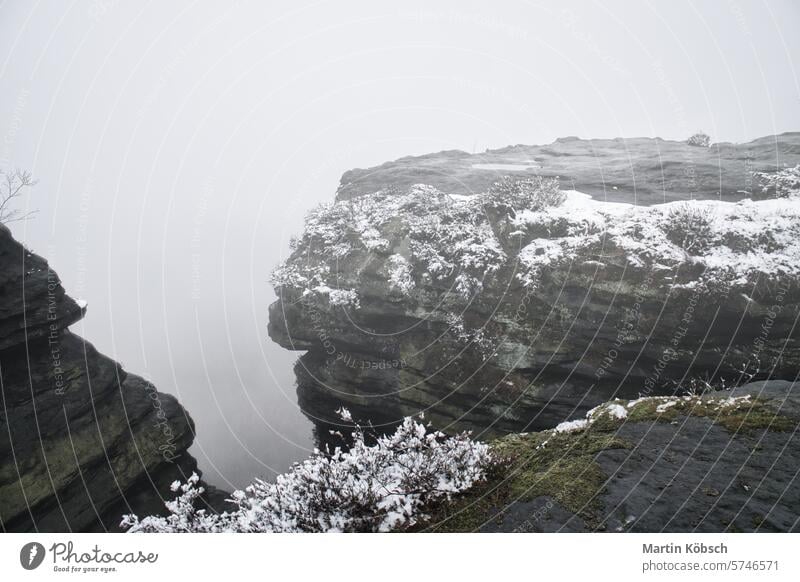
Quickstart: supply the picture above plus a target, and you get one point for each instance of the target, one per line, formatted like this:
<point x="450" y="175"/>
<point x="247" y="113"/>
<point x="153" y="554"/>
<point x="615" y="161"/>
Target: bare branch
<point x="11" y="188"/>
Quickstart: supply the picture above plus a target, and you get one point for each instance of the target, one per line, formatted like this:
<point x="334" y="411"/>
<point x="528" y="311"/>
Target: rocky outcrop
<point x="82" y="442"/>
<point x="517" y="306"/>
<point x="638" y="170"/>
<point x="724" y="461"/>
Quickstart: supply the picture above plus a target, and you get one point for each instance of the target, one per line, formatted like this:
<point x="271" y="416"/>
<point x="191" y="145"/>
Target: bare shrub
<point x="12" y="186"/>
<point x="536" y="193"/>
<point x="690" y="227"/>
<point x="368" y="488"/>
<point x="699" y="139"/>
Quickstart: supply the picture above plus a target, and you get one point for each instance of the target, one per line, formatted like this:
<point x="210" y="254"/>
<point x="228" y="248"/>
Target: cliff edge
<point x="81" y="441"/>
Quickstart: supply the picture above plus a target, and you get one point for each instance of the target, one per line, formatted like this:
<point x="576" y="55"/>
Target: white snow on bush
<point x="665" y="406"/>
<point x="619" y="410"/>
<point x="400" y="274"/>
<point x="740" y="239"/>
<point x="344" y="297"/>
<point x="609" y="409"/>
<point x="424" y="235"/>
<point x="443" y="239"/>
<point x="380" y="487"/>
<point x="341" y="297"/>
<point x="785" y="183"/>
<point x="572" y="425"/>
<point x="615" y="411"/>
<point x="733" y="401"/>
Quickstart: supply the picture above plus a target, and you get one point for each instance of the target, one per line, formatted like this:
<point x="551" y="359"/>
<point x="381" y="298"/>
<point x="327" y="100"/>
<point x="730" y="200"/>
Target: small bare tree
<point x="699" y="139"/>
<point x="12" y="186"/>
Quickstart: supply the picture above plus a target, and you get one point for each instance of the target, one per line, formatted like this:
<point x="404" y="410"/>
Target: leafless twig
<point x="12" y="186"/>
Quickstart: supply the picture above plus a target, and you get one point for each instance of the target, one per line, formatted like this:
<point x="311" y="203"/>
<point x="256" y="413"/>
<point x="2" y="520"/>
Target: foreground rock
<point x="526" y="304"/>
<point x="726" y="461"/>
<point x="82" y="441"/>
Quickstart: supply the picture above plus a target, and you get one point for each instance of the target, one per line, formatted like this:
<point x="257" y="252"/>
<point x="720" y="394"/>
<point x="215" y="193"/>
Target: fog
<point x="178" y="146"/>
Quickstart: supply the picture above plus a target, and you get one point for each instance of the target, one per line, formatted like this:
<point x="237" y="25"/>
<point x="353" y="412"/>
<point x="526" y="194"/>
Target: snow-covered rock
<point x="82" y="440"/>
<point x="503" y="313"/>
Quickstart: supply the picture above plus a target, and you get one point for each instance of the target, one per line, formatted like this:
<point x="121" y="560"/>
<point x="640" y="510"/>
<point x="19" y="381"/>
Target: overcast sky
<point x="179" y="144"/>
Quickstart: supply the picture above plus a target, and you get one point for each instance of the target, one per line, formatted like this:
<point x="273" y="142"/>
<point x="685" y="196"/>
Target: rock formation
<point x="82" y="442"/>
<point x="637" y="170"/>
<point x="432" y="284"/>
<point x="722" y="462"/>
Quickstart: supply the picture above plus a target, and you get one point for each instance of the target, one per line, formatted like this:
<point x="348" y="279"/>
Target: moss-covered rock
<point x="722" y="461"/>
<point x="82" y="441"/>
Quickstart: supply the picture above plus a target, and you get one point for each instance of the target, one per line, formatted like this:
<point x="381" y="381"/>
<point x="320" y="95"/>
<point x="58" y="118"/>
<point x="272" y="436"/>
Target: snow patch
<point x="572" y="425"/>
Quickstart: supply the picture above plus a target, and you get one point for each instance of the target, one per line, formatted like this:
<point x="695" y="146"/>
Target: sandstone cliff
<point x="425" y="288"/>
<point x="81" y="441"/>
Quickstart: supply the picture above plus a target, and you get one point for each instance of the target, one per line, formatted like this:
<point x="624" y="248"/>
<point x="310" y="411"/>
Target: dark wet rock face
<point x="511" y="311"/>
<point x="676" y="473"/>
<point x="81" y="441"/>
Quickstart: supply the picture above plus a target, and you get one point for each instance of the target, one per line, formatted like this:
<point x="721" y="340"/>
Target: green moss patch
<point x="557" y="465"/>
<point x="562" y="466"/>
<point x="742" y="414"/>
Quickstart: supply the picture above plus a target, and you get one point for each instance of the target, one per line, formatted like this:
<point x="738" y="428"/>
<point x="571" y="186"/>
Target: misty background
<point x="179" y="145"/>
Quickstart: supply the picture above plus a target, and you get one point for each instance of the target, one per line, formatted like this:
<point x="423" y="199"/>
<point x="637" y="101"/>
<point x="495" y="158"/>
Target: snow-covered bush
<point x="432" y="239"/>
<point x="784" y="183"/>
<point x="367" y="488"/>
<point x="699" y="139"/>
<point x="400" y="277"/>
<point x="736" y="242"/>
<point x="536" y="193"/>
<point x="689" y="226"/>
<point x="447" y="240"/>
